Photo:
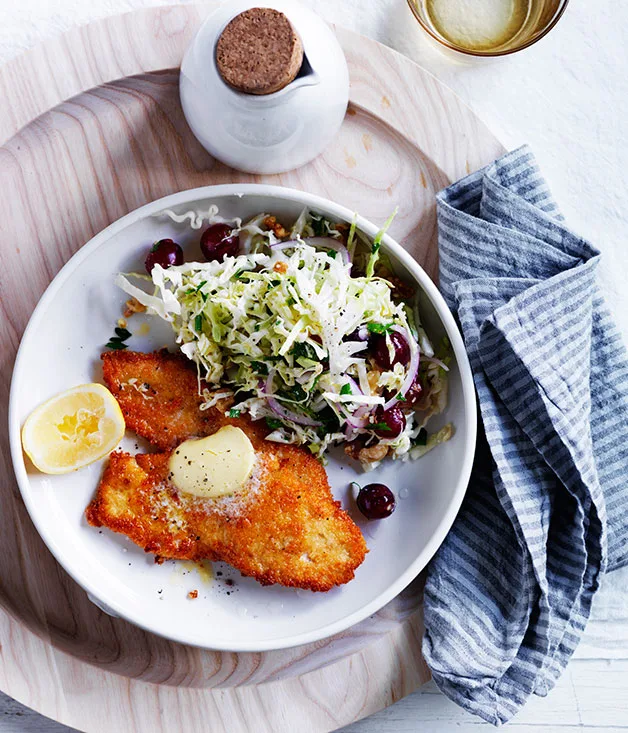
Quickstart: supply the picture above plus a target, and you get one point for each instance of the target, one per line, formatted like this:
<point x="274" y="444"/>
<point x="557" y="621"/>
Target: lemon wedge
<point x="73" y="429"/>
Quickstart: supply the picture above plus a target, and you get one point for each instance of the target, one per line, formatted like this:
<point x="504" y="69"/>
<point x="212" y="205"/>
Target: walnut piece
<point x="193" y="594"/>
<point x="401" y="291"/>
<point x="373" y="378"/>
<point x="353" y="448"/>
<point x="373" y="453"/>
<point x="225" y="403"/>
<point x="278" y="229"/>
<point x="133" y="305"/>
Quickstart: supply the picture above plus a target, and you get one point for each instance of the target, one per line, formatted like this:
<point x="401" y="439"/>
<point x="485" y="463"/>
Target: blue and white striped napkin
<point x="509" y="592"/>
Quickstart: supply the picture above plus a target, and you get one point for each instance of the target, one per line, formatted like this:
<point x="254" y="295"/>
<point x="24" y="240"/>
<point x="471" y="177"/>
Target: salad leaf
<point x="282" y="338"/>
<point x="377" y="243"/>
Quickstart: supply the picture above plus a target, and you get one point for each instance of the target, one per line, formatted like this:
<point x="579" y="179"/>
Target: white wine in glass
<point x="487" y="27"/>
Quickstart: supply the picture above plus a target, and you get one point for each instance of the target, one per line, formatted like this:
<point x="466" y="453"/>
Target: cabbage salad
<point x="309" y="330"/>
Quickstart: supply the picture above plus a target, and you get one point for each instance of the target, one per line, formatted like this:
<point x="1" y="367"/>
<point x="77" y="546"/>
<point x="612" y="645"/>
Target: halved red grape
<point x="378" y="346"/>
<point x="376" y="501"/>
<point x="164" y="252"/>
<point x="217" y="242"/>
<point x="413" y="395"/>
<point x="390" y="422"/>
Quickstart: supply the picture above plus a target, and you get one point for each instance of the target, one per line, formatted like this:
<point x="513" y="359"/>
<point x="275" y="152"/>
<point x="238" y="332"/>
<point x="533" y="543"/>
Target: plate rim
<point x="239" y="190"/>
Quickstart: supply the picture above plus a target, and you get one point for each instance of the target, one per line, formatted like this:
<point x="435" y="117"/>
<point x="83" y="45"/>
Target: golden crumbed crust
<point x="162" y="403"/>
<point x="288" y="529"/>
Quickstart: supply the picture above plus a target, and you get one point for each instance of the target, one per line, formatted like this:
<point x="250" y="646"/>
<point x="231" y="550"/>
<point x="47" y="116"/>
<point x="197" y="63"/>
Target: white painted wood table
<point x="568" y="97"/>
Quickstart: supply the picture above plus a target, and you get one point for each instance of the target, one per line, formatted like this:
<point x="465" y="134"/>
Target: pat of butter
<point x="218" y="465"/>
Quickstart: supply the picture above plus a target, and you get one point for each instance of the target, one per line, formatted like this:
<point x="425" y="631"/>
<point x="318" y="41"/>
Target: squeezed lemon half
<point x="73" y="429"/>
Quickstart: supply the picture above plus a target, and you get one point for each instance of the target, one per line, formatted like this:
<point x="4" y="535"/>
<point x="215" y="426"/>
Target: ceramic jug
<point x="268" y="133"/>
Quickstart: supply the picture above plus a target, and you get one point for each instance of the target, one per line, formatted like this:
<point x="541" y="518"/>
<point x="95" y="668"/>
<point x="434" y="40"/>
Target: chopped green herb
<point x="379" y="426"/>
<point x="296" y="393"/>
<point x="318" y="225"/>
<point x="260" y="368"/>
<point x="122" y="333"/>
<point x="234" y="413"/>
<point x="346" y="389"/>
<point x="198" y="322"/>
<point x="399" y="397"/>
<point x="379" y="327"/>
<point x="201" y="285"/>
<point x="331" y="423"/>
<point x="273" y="423"/>
<point x="290" y="301"/>
<point x="115" y="344"/>
<point x="332" y="253"/>
<point x="303" y="349"/>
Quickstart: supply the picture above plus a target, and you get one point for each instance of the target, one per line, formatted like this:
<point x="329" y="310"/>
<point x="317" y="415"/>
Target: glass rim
<point x="488" y="54"/>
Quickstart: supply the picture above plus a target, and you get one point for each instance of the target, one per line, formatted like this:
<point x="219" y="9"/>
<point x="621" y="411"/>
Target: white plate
<point x="61" y="348"/>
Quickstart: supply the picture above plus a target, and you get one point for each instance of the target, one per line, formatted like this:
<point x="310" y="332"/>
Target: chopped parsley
<point x="304" y="350"/>
<point x="379" y="327"/>
<point x="122" y="333"/>
<point x="318" y="225"/>
<point x="117" y="342"/>
<point x="346" y="389"/>
<point x="260" y="368"/>
<point x="295" y="393"/>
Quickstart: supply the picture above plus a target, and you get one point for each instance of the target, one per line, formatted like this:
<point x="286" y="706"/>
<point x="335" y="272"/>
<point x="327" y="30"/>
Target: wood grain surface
<point x="91" y="130"/>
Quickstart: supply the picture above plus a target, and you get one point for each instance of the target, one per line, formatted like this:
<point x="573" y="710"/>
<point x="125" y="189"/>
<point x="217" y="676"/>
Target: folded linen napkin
<point x="546" y="513"/>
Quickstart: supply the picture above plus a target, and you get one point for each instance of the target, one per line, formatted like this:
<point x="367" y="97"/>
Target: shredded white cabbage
<point x="283" y="330"/>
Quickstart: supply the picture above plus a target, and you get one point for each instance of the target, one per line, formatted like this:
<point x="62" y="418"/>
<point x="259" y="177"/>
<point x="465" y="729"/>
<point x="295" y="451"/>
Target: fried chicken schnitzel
<point x="286" y="529"/>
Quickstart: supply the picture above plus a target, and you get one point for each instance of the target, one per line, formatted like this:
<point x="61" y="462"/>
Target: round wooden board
<point x="67" y="170"/>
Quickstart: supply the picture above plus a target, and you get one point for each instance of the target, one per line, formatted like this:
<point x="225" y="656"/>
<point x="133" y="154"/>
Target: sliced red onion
<point x="358" y="422"/>
<point x="278" y="246"/>
<point x="434" y="360"/>
<point x="413" y="367"/>
<point x="329" y="243"/>
<point x="360" y="418"/>
<point x="281" y="411"/>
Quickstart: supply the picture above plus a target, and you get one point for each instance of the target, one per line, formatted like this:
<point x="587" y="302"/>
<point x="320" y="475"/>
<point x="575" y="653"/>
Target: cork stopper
<point x="259" y="52"/>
